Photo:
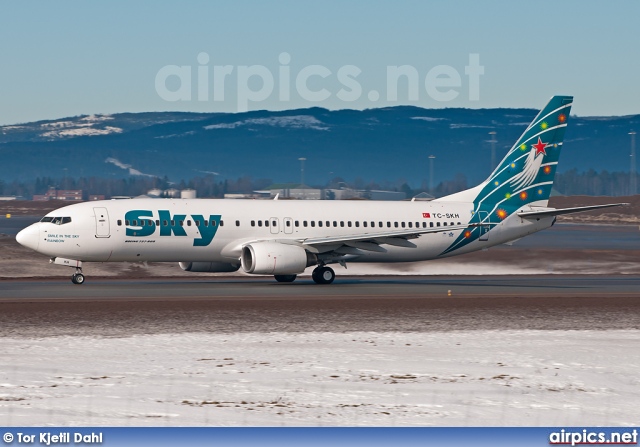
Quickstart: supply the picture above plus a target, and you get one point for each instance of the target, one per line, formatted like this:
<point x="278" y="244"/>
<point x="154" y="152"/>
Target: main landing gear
<point x="78" y="277"/>
<point x="323" y="275"/>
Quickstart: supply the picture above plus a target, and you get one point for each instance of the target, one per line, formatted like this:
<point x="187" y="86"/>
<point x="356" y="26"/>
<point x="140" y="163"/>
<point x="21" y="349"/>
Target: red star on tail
<point x="540" y="147"/>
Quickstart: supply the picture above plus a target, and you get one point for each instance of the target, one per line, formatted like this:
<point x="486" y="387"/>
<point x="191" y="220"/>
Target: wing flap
<point x="396" y="238"/>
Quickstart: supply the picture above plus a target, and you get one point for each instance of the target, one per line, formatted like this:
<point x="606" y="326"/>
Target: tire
<point x="285" y="278"/>
<point x="77" y="278"/>
<point x="323" y="275"/>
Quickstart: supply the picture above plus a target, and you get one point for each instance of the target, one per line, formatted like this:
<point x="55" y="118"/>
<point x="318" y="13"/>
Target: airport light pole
<point x="302" y="160"/>
<point x="493" y="142"/>
<point x="633" y="181"/>
<point x="431" y="188"/>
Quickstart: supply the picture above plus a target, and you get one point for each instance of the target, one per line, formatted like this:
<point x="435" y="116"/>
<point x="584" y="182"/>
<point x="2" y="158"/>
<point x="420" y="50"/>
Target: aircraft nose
<point x="29" y="237"/>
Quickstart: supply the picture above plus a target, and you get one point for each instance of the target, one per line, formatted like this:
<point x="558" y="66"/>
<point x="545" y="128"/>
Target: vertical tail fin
<point x="526" y="173"/>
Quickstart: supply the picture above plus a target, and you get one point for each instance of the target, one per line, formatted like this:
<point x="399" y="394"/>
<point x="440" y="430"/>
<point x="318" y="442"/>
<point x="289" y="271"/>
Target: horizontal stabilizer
<point x="548" y="212"/>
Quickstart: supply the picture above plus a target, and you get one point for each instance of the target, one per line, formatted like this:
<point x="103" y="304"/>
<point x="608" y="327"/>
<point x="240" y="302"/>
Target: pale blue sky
<point x="69" y="58"/>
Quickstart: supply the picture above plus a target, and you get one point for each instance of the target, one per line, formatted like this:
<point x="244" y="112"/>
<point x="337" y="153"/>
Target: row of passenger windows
<point x="288" y="223"/>
<point x="357" y="224"/>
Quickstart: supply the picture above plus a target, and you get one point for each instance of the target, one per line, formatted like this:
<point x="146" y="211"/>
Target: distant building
<point x="188" y="194"/>
<point x="295" y="191"/>
<point x="253" y="195"/>
<point x="72" y="195"/>
<point x="384" y="195"/>
<point x="93" y="197"/>
<point x="351" y="194"/>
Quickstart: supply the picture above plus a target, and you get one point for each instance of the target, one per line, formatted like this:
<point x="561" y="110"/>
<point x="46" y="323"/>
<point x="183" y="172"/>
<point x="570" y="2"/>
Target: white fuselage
<point x="173" y="230"/>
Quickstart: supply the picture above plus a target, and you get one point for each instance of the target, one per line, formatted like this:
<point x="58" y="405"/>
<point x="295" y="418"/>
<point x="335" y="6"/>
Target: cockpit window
<point x="56" y="220"/>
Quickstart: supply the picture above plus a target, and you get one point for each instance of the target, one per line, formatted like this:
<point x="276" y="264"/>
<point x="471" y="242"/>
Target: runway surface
<point x="423" y="304"/>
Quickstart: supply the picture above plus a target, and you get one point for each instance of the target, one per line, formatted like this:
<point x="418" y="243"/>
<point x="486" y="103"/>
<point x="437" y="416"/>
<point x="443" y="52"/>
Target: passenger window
<point x="297" y="223"/>
<point x="328" y="223"/>
<point x="380" y="224"/>
<point x="119" y="222"/>
<point x="197" y="223"/>
<point x="402" y="225"/>
<point x="222" y="223"/>
<point x="349" y="223"/>
<point x="253" y="223"/>
<point x="388" y="224"/>
<point x="181" y="222"/>
<point x="319" y="223"/>
<point x="213" y="223"/>
<point x="438" y="224"/>
<point x="143" y="223"/>
<point x="424" y="225"/>
<point x="410" y="224"/>
<point x="157" y="223"/>
<point x="237" y="223"/>
<point x="304" y="223"/>
<point x="266" y="223"/>
<point x="357" y="224"/>
<point x="188" y="223"/>
<point x="134" y="223"/>
<point x="431" y="224"/>
<point x="364" y="224"/>
<point x="206" y="223"/>
<point x="288" y="223"/>
<point x="259" y="223"/>
<point x="395" y="224"/>
<point x="164" y="223"/>
<point x="335" y="223"/>
<point x="126" y="222"/>
<point x="173" y="223"/>
<point x="373" y="224"/>
<point x="444" y="223"/>
<point x="342" y="223"/>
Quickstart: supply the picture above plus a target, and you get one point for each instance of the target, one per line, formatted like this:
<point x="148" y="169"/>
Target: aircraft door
<point x="288" y="225"/>
<point x="485" y="227"/>
<point x="102" y="222"/>
<point x="274" y="225"/>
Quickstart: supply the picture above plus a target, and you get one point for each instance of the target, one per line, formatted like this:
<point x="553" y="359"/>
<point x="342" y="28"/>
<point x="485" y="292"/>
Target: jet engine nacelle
<point x="212" y="267"/>
<point x="273" y="258"/>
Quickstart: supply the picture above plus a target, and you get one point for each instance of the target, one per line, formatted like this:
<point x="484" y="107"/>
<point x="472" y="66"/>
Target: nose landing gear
<point x="78" y="277"/>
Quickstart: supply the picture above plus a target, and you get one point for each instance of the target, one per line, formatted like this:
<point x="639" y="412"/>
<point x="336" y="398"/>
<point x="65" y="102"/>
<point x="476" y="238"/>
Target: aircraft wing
<point x="548" y="212"/>
<point x="373" y="241"/>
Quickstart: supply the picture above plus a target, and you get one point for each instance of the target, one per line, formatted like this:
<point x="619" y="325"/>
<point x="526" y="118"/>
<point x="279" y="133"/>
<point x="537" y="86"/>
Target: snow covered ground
<point x="559" y="378"/>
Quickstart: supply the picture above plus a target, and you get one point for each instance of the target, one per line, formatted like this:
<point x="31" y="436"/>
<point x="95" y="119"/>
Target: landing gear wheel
<point x="285" y="278"/>
<point x="323" y="275"/>
<point x="77" y="278"/>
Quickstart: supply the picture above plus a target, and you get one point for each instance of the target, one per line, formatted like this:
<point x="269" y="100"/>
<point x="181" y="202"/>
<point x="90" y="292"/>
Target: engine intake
<point x="274" y="258"/>
<point x="212" y="267"/>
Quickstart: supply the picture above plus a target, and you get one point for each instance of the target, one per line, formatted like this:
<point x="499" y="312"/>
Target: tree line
<point x="592" y="183"/>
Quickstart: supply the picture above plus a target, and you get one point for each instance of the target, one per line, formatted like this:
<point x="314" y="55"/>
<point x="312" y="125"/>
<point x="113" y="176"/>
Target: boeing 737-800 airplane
<point x="283" y="238"/>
